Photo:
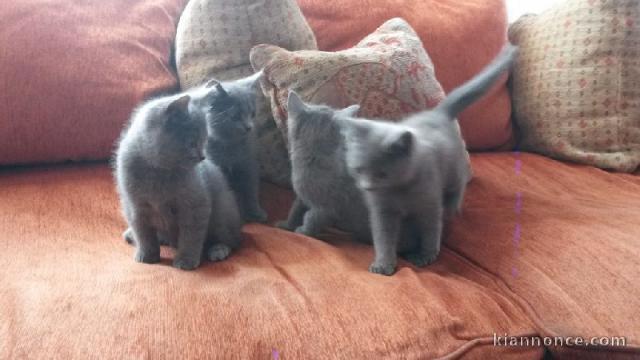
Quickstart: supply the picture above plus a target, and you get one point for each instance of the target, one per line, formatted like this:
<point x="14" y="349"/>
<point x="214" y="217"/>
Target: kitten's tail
<point x="471" y="91"/>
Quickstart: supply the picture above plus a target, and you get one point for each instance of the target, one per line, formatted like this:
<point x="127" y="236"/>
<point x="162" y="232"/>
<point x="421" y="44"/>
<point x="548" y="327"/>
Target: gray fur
<point x="169" y="192"/>
<point x="415" y="169"/>
<point x="326" y="194"/>
<point x="230" y="110"/>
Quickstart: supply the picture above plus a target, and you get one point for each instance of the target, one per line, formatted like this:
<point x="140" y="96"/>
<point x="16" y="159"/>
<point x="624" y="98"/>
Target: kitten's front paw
<point x="382" y="268"/>
<point x="219" y="252"/>
<point x="257" y="215"/>
<point x="184" y="263"/>
<point x="127" y="235"/>
<point x="147" y="257"/>
<point x="420" y="259"/>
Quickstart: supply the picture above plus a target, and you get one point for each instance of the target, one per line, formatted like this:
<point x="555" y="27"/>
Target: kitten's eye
<point x="359" y="170"/>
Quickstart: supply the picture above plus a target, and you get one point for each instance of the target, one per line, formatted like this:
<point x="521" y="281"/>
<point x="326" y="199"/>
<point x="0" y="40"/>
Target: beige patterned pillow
<point x="576" y="85"/>
<point x="388" y="73"/>
<point x="214" y="38"/>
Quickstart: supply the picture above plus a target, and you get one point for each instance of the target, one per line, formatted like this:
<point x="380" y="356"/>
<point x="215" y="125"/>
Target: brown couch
<point x="543" y="248"/>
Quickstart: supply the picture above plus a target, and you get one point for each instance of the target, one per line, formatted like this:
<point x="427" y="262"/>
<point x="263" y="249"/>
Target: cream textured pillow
<point x="214" y="37"/>
<point x="576" y="85"/>
<point x="213" y="40"/>
<point x="388" y="73"/>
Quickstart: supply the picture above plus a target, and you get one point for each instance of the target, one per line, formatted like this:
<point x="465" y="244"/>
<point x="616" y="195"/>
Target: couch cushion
<point x="461" y="37"/>
<point x="576" y="85"/>
<point x="69" y="288"/>
<point x="563" y="240"/>
<point x="72" y="71"/>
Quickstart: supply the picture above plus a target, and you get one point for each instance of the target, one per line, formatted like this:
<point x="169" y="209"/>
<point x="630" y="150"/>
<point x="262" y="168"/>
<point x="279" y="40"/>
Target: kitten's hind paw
<point x="421" y="260"/>
<point x="218" y="252"/>
<point x="382" y="269"/>
<point x="147" y="257"/>
<point x="127" y="235"/>
<point x="185" y="263"/>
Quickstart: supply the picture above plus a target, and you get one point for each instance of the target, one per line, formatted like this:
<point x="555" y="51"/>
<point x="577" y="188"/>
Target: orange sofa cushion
<point x="72" y="71"/>
<point x="69" y="287"/>
<point x="461" y="37"/>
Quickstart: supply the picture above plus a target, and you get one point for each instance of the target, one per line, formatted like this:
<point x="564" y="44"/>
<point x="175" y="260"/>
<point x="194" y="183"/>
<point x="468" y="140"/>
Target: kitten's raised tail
<point x="471" y="91"/>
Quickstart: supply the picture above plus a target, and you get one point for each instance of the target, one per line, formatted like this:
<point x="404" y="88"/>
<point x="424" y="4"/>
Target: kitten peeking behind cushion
<point x="415" y="169"/>
<point x="169" y="191"/>
<point x="230" y="109"/>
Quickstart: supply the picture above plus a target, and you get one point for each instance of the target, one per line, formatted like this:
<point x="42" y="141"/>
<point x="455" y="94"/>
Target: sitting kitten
<point x="415" y="168"/>
<point x="169" y="192"/>
<point x="231" y="109"/>
<point x="326" y="194"/>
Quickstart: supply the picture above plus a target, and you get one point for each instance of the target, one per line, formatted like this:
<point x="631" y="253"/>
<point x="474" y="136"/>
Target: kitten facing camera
<point x="230" y="109"/>
<point x="170" y="193"/>
<point x="326" y="194"/>
<point x="415" y="169"/>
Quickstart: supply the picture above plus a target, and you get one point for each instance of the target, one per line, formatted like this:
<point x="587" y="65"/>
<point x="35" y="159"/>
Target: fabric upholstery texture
<point x="576" y="85"/>
<point x="70" y="288"/>
<point x="388" y="73"/>
<point x="213" y="40"/>
<point x="71" y="73"/>
<point x="461" y="37"/>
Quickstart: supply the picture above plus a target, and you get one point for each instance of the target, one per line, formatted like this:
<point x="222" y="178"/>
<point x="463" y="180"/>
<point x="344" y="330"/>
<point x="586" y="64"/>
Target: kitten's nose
<point x="248" y="127"/>
<point x="202" y="157"/>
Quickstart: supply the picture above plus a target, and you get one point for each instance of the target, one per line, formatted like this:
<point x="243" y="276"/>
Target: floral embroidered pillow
<point x="388" y="73"/>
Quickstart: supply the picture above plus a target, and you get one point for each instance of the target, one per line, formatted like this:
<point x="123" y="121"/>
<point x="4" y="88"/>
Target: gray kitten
<point x="169" y="192"/>
<point x="231" y="109"/>
<point x="326" y="194"/>
<point x="415" y="169"/>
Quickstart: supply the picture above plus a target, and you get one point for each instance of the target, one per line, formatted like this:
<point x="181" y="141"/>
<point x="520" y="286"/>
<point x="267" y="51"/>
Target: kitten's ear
<point x="217" y="88"/>
<point x="180" y="106"/>
<point x="295" y="105"/>
<point x="350" y="111"/>
<point x="177" y="113"/>
<point x="221" y="91"/>
<point x="218" y="94"/>
<point x="402" y="144"/>
<point x="211" y="83"/>
<point x="350" y="128"/>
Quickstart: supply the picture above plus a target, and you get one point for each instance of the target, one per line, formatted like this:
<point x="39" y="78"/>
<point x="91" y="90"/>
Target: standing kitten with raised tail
<point x="230" y="109"/>
<point x="169" y="192"/>
<point x="326" y="194"/>
<point x="415" y="169"/>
